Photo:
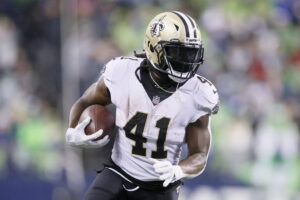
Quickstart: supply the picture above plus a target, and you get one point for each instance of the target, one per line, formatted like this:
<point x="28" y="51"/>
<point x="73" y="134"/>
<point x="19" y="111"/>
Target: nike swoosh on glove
<point x="168" y="173"/>
<point x="77" y="137"/>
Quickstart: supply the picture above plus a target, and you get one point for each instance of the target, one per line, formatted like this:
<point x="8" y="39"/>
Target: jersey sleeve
<point x="206" y="98"/>
<point x="114" y="73"/>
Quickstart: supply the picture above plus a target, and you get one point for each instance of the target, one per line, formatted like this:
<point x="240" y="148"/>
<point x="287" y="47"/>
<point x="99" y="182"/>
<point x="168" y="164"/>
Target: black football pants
<point x="108" y="185"/>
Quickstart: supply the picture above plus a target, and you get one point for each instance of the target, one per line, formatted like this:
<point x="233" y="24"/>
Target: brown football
<point x="101" y="118"/>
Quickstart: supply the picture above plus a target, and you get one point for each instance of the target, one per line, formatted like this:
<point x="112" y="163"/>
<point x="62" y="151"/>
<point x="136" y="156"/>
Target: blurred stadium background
<point x="52" y="50"/>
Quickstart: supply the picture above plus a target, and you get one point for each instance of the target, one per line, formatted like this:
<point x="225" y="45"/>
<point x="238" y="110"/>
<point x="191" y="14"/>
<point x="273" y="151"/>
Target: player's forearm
<point x="75" y="113"/>
<point x="194" y="164"/>
<point x="96" y="94"/>
<point x="198" y="141"/>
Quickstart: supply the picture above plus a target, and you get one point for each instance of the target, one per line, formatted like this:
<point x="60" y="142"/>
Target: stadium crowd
<point x="252" y="55"/>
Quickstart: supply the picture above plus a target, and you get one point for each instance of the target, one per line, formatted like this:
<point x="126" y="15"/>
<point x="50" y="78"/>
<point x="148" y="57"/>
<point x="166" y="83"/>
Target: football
<point x="101" y="118"/>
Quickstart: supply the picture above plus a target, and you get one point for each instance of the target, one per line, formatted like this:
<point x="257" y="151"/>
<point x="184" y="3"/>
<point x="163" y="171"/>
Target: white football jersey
<point x="146" y="130"/>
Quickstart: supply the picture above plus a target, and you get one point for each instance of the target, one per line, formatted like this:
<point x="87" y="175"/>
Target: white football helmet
<point x="173" y="45"/>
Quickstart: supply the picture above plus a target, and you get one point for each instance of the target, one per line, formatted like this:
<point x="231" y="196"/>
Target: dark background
<point x="51" y="51"/>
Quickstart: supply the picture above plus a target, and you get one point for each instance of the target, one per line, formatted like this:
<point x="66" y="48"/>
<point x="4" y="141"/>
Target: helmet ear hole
<point x="177" y="27"/>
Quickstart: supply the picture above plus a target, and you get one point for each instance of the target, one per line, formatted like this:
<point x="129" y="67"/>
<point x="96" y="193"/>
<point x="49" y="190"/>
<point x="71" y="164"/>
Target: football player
<point x="160" y="104"/>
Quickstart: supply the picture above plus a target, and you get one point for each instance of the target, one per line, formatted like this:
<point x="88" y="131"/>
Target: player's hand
<point x="168" y="173"/>
<point x="98" y="143"/>
<point x="77" y="137"/>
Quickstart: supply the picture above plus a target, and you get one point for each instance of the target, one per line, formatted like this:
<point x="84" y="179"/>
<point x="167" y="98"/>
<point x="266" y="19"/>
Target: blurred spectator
<point x="252" y="54"/>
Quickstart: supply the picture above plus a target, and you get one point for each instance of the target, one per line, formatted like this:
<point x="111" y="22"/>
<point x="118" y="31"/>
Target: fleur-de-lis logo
<point x="157" y="26"/>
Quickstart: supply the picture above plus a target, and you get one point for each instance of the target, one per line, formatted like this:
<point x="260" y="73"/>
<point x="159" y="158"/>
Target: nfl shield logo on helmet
<point x="155" y="100"/>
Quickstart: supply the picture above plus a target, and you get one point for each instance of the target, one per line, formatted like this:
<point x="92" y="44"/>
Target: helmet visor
<point x="183" y="58"/>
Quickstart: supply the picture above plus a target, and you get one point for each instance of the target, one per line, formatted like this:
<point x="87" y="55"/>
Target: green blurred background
<point x="52" y="50"/>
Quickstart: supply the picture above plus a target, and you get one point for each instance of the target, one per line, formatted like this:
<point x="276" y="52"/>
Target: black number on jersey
<point x="163" y="125"/>
<point x="138" y="121"/>
<point x="204" y="80"/>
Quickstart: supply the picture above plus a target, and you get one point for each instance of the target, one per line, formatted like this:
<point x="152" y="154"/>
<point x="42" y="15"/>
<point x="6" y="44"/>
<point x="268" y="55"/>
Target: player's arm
<point x="198" y="142"/>
<point x="97" y="93"/>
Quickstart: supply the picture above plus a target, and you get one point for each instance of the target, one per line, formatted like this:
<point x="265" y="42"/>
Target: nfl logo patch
<point x="155" y="100"/>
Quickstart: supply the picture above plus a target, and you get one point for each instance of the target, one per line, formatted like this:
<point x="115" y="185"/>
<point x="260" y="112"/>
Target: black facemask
<point x="183" y="59"/>
<point x="179" y="60"/>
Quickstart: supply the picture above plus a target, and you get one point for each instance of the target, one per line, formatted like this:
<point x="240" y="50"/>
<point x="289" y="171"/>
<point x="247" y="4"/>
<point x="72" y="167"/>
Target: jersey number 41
<point x="137" y="124"/>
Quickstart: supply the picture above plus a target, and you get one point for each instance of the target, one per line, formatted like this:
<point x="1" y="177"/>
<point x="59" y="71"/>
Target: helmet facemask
<point x="180" y="61"/>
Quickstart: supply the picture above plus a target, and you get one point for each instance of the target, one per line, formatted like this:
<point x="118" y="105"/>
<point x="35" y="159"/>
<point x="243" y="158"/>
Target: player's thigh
<point x="106" y="186"/>
<point x="171" y="194"/>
